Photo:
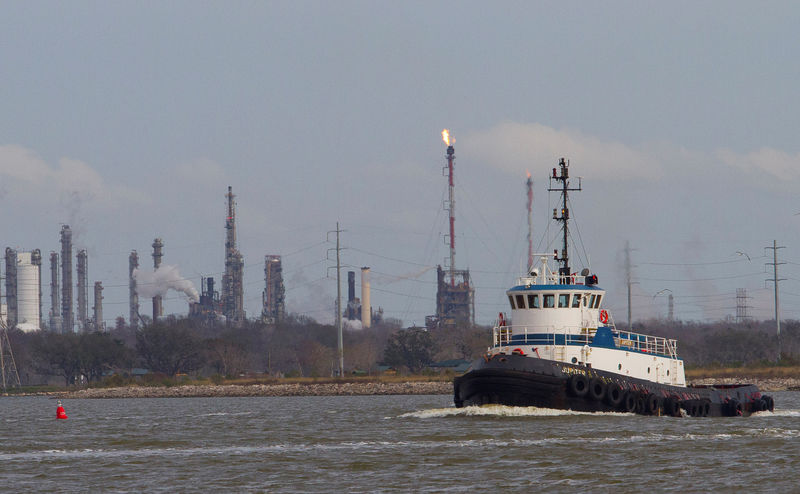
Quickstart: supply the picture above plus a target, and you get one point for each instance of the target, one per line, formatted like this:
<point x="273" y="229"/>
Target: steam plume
<point x="152" y="283"/>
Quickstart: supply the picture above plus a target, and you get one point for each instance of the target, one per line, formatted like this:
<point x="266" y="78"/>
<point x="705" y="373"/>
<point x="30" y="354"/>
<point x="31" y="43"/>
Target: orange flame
<point x="529" y="173"/>
<point x="446" y="137"/>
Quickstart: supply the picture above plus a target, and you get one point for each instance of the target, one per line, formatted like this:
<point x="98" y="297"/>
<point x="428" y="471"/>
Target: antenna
<point x="563" y="177"/>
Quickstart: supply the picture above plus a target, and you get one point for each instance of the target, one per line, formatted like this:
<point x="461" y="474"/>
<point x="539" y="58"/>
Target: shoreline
<point x="265" y="390"/>
<point x="341" y="389"/>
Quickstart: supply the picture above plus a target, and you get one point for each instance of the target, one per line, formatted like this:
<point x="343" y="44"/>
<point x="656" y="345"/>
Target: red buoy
<point x="60" y="413"/>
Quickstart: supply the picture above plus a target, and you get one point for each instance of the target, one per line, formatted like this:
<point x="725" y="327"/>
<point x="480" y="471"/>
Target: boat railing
<point x="547" y="335"/>
<point x="646" y="343"/>
<point x="540" y="335"/>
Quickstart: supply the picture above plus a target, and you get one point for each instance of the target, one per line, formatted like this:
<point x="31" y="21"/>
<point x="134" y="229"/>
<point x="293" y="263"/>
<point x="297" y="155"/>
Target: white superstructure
<point x="561" y="318"/>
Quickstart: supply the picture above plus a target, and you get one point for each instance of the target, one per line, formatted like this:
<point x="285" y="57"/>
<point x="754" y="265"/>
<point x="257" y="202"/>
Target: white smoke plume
<point x="355" y="324"/>
<point x="152" y="283"/>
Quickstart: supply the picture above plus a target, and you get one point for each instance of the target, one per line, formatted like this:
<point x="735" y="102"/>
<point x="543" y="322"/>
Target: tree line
<point x="300" y="346"/>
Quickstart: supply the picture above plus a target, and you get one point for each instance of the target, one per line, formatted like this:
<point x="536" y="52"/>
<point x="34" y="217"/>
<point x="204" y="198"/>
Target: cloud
<point x="779" y="164"/>
<point x="515" y="146"/>
<point x="19" y="163"/>
<point x="26" y="174"/>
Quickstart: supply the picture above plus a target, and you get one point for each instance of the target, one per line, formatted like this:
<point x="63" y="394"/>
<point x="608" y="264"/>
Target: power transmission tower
<point x="775" y="279"/>
<point x="8" y="366"/>
<point x="741" y="305"/>
<point x="339" y="299"/>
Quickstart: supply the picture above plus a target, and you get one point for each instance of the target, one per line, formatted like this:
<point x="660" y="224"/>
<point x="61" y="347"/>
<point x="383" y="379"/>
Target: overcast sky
<point x="128" y="121"/>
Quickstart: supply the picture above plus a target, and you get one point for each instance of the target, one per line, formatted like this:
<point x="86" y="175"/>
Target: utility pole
<point x="775" y="279"/>
<point x="339" y="299"/>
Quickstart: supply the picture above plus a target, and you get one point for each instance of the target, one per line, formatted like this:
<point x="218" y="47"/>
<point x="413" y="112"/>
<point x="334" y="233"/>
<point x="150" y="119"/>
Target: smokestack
<point x="133" y="264"/>
<point x="351" y="286"/>
<point x="158" y="310"/>
<point x="366" y="308"/>
<point x="83" y="289"/>
<point x="67" y="316"/>
<point x="55" y="299"/>
<point x="98" y="306"/>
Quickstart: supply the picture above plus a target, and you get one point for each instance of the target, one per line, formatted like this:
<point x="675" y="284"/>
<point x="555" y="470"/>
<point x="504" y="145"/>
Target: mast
<point x="529" y="187"/>
<point x="562" y="175"/>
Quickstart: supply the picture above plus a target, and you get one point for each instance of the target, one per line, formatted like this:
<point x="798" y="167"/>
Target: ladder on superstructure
<point x="8" y="366"/>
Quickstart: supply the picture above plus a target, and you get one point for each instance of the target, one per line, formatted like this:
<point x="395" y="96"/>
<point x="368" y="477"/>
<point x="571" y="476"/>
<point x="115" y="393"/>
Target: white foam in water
<point x="497" y="411"/>
<point x="778" y="413"/>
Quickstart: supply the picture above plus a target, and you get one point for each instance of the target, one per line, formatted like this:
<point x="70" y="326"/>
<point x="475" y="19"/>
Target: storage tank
<point x="28" y="292"/>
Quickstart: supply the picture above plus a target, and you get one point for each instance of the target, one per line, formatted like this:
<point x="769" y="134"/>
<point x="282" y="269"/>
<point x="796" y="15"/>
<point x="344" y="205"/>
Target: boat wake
<point x="498" y="411"/>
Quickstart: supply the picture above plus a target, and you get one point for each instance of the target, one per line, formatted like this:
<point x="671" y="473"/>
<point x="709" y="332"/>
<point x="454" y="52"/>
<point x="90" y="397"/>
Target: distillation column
<point x="158" y="310"/>
<point x="133" y="299"/>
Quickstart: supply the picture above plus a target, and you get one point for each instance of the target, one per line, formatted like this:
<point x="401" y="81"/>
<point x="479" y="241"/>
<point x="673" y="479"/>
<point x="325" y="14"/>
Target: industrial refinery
<point x="219" y="301"/>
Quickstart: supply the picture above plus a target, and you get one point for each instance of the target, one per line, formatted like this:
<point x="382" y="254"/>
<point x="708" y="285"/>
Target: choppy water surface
<point x="385" y="443"/>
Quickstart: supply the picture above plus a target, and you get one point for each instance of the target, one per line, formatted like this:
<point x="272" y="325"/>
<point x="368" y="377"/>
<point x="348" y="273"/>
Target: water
<point x="385" y="444"/>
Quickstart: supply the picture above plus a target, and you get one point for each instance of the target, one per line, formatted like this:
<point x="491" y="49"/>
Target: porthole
<point x="667" y="371"/>
<point x="648" y="370"/>
<point x="574" y="360"/>
<point x="619" y="367"/>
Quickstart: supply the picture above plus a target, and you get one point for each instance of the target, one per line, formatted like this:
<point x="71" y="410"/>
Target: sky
<point x="129" y="120"/>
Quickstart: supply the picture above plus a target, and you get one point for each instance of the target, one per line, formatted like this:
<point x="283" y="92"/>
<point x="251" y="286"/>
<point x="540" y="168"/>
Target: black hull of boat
<point x="516" y="380"/>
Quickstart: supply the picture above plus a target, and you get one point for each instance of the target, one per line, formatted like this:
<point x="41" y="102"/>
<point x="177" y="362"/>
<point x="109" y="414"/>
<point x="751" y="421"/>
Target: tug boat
<point x="561" y="349"/>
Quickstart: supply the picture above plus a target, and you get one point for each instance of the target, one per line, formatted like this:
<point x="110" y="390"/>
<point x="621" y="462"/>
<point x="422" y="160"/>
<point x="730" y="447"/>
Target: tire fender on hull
<point x="614" y="395"/>
<point x="578" y="385"/>
<point x="597" y="389"/>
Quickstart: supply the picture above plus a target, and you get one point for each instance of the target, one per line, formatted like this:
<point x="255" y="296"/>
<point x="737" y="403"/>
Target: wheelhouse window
<point x="549" y="301"/>
<point x="576" y="301"/>
<point x="597" y="302"/>
<point x="563" y="300"/>
<point x="591" y="301"/>
<point x="520" y="301"/>
<point x="511" y="301"/>
<point x="533" y="301"/>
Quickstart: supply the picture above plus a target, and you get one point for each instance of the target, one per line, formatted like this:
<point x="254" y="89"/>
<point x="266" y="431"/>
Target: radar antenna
<point x="562" y="175"/>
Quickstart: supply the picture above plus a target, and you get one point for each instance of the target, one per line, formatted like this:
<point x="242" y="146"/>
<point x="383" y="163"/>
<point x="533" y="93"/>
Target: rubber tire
<point x="705" y="408"/>
<point x="672" y="407"/>
<point x="597" y="389"/>
<point x="641" y="405"/>
<point x="653" y="404"/>
<point x="578" y="385"/>
<point x="734" y="408"/>
<point x="628" y="403"/>
<point x="614" y="395"/>
<point x="769" y="402"/>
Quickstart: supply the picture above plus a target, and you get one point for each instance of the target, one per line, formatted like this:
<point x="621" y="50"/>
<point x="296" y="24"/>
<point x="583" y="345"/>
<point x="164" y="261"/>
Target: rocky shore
<point x="764" y="384"/>
<point x="350" y="389"/>
<point x="231" y="390"/>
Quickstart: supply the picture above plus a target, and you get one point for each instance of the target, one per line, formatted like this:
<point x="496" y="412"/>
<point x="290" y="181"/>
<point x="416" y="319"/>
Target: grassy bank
<point x="765" y="372"/>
